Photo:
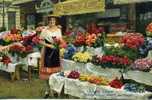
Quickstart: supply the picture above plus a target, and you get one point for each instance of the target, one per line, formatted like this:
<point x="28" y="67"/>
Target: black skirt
<point x="51" y="57"/>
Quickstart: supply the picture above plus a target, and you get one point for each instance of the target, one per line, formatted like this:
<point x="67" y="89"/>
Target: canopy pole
<point x="132" y="16"/>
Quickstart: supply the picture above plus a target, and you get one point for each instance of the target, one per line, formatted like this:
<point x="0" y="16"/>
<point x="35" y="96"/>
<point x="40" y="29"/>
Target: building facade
<point x="7" y="12"/>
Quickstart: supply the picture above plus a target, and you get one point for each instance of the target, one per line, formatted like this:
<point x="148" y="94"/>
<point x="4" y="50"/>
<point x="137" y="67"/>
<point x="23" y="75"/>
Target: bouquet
<point x="132" y="54"/>
<point x="142" y="64"/>
<point x="59" y="42"/>
<point x="133" y="40"/>
<point x="9" y="38"/>
<point x="149" y="30"/>
<point x="116" y="83"/>
<point x="32" y="40"/>
<point x="69" y="51"/>
<point x="6" y="60"/>
<point x="82" y="57"/>
<point x="111" y="61"/>
<point x="91" y="39"/>
<point x="21" y="50"/>
<point x="74" y="75"/>
<point x="80" y="40"/>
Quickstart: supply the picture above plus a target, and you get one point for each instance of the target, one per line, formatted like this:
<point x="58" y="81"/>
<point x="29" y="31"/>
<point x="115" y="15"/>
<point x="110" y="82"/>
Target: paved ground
<point x="20" y="89"/>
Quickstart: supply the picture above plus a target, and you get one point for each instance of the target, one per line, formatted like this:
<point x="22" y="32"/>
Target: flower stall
<point x="99" y="66"/>
<point x="122" y="67"/>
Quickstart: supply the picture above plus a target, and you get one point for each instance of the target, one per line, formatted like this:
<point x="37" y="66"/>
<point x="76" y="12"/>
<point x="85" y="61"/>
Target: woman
<point x="50" y="59"/>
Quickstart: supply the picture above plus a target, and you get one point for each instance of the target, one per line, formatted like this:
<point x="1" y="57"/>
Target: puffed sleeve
<point x="59" y="33"/>
<point x="43" y="33"/>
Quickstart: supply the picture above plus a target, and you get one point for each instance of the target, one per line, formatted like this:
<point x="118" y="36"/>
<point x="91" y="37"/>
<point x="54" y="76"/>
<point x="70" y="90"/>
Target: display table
<point x="13" y="68"/>
<point x="33" y="63"/>
<point x="87" y="90"/>
<point x="110" y="73"/>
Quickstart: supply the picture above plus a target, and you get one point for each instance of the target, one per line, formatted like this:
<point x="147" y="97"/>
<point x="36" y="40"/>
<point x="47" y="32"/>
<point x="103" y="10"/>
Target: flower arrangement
<point x="59" y="42"/>
<point x="132" y="54"/>
<point x="82" y="57"/>
<point x="98" y="80"/>
<point x="62" y="51"/>
<point x="132" y="87"/>
<point x="74" y="75"/>
<point x="69" y="52"/>
<point x="143" y="64"/>
<point x="149" y="30"/>
<point x="6" y="60"/>
<point x="91" y="39"/>
<point x="21" y="50"/>
<point x="9" y="38"/>
<point x="36" y="39"/>
<point x="80" y="40"/>
<point x="116" y="83"/>
<point x="111" y="61"/>
<point x="133" y="40"/>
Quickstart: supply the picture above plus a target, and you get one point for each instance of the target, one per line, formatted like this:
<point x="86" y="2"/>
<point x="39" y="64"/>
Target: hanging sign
<point x="129" y="1"/>
<point x="73" y="7"/>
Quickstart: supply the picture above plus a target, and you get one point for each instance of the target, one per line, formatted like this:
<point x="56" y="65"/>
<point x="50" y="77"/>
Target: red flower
<point x="36" y="39"/>
<point x="28" y="49"/>
<point x="133" y="40"/>
<point x="6" y="60"/>
<point x="115" y="60"/>
<point x="116" y="83"/>
<point x="17" y="48"/>
<point x="80" y="40"/>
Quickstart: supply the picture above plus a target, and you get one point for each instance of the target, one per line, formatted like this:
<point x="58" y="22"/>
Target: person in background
<point x="78" y="29"/>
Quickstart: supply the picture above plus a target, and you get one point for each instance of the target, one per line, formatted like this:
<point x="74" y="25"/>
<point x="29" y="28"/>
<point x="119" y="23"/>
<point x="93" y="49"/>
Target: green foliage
<point x="122" y="51"/>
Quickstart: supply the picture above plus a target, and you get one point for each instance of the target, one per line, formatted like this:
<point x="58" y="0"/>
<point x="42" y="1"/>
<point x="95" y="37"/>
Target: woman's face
<point x="52" y="21"/>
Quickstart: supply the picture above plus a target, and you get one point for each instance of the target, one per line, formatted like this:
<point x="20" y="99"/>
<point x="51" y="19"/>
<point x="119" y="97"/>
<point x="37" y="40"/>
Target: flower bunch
<point x="132" y="87"/>
<point x="69" y="52"/>
<point x="74" y="75"/>
<point x="59" y="42"/>
<point x="80" y="40"/>
<point x="21" y="50"/>
<point x="29" y="40"/>
<point x="12" y="37"/>
<point x="6" y="60"/>
<point x="133" y="40"/>
<point x="98" y="80"/>
<point x="82" y="57"/>
<point x="91" y="39"/>
<point x="142" y="64"/>
<point x="111" y="60"/>
<point x="62" y="51"/>
<point x="149" y="30"/>
<point x="36" y="39"/>
<point x="116" y="83"/>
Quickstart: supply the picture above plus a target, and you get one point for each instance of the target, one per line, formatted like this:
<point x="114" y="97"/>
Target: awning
<point x="17" y="2"/>
<point x="129" y="1"/>
<point x="73" y="7"/>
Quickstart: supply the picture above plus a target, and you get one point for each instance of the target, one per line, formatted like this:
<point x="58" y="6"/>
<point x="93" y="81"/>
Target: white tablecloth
<point x="110" y="73"/>
<point x="87" y="90"/>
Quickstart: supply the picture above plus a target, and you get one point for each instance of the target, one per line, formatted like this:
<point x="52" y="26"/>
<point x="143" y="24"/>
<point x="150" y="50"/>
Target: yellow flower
<point x="62" y="51"/>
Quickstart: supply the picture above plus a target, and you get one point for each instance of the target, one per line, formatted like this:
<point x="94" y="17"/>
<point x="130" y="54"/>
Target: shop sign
<point x="46" y="6"/>
<point x="129" y="1"/>
<point x="73" y="7"/>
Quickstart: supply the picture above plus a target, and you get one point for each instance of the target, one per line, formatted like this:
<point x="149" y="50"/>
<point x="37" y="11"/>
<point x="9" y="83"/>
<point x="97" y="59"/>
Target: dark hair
<point x="56" y="18"/>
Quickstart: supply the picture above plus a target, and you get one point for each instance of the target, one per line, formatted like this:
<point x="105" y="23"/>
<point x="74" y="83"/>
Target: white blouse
<point x="48" y="35"/>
